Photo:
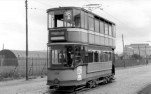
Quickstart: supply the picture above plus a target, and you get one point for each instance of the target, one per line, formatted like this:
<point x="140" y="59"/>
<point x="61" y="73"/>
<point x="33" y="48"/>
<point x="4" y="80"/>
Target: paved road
<point x="128" y="81"/>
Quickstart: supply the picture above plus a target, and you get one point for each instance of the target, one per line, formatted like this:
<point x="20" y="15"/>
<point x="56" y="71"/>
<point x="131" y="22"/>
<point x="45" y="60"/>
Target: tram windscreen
<point x="64" y="18"/>
<point x="59" y="20"/>
<point x="65" y="56"/>
<point x="62" y="56"/>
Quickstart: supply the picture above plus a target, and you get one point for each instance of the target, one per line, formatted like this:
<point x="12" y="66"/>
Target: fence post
<point x="31" y="67"/>
<point x="44" y="67"/>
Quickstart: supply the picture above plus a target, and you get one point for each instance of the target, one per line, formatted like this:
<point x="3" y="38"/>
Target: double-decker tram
<point x="81" y="48"/>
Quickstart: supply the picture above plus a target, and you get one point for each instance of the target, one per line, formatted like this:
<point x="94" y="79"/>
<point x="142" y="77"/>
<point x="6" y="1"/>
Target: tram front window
<point x="62" y="56"/>
<point x="64" y="18"/>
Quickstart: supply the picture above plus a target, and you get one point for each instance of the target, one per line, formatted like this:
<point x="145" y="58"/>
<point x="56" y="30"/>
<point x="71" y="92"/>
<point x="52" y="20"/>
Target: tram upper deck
<point x="77" y="25"/>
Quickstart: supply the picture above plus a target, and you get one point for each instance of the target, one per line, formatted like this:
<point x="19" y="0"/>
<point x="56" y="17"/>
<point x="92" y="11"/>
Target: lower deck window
<point x="66" y="56"/>
<point x="72" y="56"/>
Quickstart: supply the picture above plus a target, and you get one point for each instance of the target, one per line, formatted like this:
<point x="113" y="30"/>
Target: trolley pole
<point x="26" y="5"/>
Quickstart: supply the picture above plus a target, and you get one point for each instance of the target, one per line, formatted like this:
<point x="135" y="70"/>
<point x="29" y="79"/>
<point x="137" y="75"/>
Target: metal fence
<point x="132" y="62"/>
<point x="16" y="68"/>
<point x="36" y="67"/>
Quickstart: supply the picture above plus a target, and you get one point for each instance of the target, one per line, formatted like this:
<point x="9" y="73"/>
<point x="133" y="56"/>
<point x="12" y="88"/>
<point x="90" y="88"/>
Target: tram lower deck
<point x="74" y="65"/>
<point x="79" y="75"/>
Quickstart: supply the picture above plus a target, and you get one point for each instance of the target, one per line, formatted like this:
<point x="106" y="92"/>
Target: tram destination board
<point x="57" y="35"/>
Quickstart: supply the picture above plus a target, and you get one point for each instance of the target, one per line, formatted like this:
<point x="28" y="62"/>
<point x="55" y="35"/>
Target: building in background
<point x="143" y="50"/>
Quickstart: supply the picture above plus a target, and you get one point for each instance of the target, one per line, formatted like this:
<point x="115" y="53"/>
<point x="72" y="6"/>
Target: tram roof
<point x="79" y="8"/>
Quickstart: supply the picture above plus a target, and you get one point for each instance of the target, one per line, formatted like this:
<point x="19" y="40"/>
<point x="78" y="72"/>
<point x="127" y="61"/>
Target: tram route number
<point x="68" y="15"/>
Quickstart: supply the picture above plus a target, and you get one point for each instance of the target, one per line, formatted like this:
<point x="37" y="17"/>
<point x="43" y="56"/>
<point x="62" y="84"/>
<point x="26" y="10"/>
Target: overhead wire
<point x="88" y="1"/>
<point x="61" y="2"/>
<point x="41" y="2"/>
<point x="106" y="12"/>
<point x="115" y="19"/>
<point x="122" y="23"/>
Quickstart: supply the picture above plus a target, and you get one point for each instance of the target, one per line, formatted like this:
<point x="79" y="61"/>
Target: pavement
<point x="23" y="86"/>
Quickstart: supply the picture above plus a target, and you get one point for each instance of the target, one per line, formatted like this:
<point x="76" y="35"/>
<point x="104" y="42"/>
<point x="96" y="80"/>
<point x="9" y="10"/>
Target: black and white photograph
<point x="75" y="46"/>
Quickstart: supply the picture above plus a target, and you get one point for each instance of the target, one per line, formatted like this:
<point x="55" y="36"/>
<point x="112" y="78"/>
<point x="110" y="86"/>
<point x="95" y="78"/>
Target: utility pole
<point x="145" y="52"/>
<point x="139" y="51"/>
<point x="2" y="59"/>
<point x="123" y="50"/>
<point x="146" y="56"/>
<point x="26" y="5"/>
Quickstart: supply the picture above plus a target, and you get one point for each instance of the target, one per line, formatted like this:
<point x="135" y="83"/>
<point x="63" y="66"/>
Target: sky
<point x="132" y="18"/>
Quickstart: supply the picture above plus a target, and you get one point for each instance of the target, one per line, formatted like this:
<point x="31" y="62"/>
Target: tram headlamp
<point x="56" y="81"/>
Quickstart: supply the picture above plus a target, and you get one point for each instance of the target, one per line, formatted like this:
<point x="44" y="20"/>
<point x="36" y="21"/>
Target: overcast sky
<point x="132" y="18"/>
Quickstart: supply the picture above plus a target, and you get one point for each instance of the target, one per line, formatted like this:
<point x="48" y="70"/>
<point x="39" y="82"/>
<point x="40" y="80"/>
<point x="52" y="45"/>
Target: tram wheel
<point x="105" y="80"/>
<point x="91" y="84"/>
<point x="110" y="80"/>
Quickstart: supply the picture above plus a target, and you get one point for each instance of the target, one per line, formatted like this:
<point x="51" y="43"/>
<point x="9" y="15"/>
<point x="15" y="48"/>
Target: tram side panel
<point x="97" y="39"/>
<point x="84" y="37"/>
<point x="62" y="75"/>
<point x="67" y="77"/>
<point x="72" y="36"/>
<point x="91" y="38"/>
<point x="77" y="35"/>
<point x="99" y="69"/>
<point x="79" y="75"/>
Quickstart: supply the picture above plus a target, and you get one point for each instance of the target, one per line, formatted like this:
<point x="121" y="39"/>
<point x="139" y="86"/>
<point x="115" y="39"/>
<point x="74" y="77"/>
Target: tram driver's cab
<point x="66" y="56"/>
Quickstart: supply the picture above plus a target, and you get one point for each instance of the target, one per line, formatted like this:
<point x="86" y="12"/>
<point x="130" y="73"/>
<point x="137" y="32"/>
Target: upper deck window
<point x="79" y="18"/>
<point x="106" y="29"/>
<point x="91" y="23"/>
<point x="114" y="31"/>
<point x="86" y="20"/>
<point x="101" y="27"/>
<point x="58" y="20"/>
<point x="64" y="18"/>
<point x="55" y="19"/>
<point x="97" y="29"/>
<point x="51" y="20"/>
<point x="76" y="18"/>
<point x="110" y="30"/>
<point x="82" y="19"/>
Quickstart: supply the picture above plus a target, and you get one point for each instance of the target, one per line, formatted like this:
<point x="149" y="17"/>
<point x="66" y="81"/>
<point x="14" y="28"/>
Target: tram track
<point x="80" y="91"/>
<point x="85" y="90"/>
